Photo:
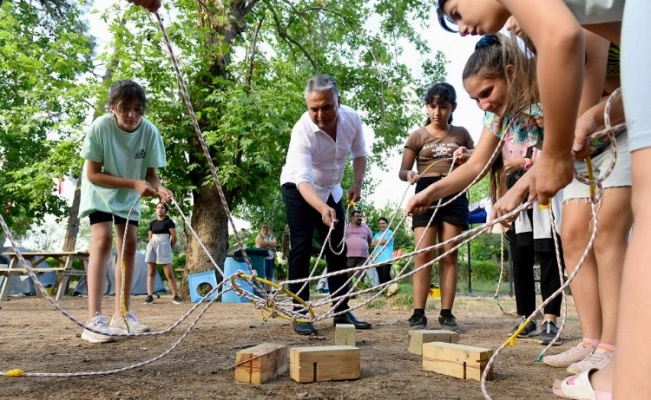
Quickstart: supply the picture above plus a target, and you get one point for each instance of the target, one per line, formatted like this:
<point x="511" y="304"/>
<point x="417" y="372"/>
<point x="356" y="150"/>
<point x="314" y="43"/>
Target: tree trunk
<point x="72" y="230"/>
<point x="211" y="225"/>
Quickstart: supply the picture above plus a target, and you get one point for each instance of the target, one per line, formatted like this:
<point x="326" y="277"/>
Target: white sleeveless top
<point x="589" y="12"/>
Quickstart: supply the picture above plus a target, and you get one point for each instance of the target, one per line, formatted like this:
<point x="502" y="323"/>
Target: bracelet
<point x="527" y="164"/>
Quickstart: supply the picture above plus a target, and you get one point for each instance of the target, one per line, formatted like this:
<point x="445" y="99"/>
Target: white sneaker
<point x="597" y="360"/>
<point x="570" y="356"/>
<point x="98" y="323"/>
<point x="120" y="326"/>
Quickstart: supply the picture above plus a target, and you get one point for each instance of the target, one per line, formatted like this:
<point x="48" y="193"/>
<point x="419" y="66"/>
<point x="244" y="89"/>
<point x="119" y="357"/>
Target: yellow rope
<point x="14" y="373"/>
<point x="588" y="163"/>
<point x="511" y="341"/>
<point x="270" y="307"/>
<point x="123" y="291"/>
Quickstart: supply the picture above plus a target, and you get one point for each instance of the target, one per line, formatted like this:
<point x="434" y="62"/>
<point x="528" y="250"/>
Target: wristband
<point x="527" y="164"/>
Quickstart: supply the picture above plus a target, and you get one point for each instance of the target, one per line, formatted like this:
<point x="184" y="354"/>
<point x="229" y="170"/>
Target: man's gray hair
<point x="320" y="83"/>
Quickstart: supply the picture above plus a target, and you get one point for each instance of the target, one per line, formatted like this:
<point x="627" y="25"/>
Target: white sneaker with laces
<point x="98" y="323"/>
<point x="570" y="356"/>
<point x="597" y="360"/>
<point x="120" y="326"/>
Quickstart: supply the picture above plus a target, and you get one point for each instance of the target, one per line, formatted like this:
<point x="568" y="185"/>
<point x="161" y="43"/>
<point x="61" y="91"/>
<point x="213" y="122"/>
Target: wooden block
<point x="261" y="363"/>
<point x="417" y="338"/>
<point x="465" y="362"/>
<point x="345" y="334"/>
<point x="324" y="363"/>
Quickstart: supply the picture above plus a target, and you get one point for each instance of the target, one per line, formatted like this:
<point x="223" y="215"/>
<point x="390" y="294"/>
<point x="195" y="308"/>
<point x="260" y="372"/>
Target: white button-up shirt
<point x="314" y="157"/>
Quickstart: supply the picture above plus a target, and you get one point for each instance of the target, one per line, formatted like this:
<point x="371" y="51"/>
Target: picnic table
<point x="63" y="271"/>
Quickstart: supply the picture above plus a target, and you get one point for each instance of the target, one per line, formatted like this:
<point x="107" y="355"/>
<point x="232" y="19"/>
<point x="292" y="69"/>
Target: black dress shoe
<point x="349" y="318"/>
<point x="304" y="328"/>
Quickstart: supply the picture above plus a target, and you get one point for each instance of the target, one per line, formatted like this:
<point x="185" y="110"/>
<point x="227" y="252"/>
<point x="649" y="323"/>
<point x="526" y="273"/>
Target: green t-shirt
<point x="122" y="154"/>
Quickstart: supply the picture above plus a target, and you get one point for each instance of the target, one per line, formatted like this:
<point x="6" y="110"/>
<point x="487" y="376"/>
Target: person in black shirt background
<point x="162" y="237"/>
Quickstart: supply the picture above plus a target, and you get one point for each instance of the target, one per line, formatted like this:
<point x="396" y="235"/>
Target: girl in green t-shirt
<point x="122" y="151"/>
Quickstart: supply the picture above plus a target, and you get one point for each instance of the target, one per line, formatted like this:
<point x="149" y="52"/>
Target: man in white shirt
<point x="311" y="186"/>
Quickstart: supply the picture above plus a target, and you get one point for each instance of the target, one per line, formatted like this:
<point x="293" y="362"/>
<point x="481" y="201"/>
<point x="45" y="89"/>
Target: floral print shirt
<point x="524" y="129"/>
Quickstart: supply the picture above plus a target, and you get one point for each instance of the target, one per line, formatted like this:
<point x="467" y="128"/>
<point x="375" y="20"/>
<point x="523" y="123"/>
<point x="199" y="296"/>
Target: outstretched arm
<point x="559" y="42"/>
<point x="173" y="236"/>
<point x="161" y="191"/>
<point x="458" y="179"/>
<point x="328" y="214"/>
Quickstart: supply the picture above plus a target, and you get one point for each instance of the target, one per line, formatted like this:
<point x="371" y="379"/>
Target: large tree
<point x="44" y="51"/>
<point x="246" y="64"/>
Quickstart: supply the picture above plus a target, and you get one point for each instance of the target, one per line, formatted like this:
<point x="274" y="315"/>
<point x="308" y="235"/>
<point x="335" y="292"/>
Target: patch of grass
<point x="483" y="287"/>
<point x="404" y="298"/>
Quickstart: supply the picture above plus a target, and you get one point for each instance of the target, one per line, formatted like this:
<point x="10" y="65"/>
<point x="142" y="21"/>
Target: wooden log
<point x="417" y="338"/>
<point x="345" y="334"/>
<point x="459" y="361"/>
<point x="261" y="363"/>
<point x="324" y="363"/>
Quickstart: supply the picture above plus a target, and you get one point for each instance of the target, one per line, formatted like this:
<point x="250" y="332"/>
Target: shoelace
<point x="597" y="358"/>
<point x="579" y="347"/>
<point x="548" y="328"/>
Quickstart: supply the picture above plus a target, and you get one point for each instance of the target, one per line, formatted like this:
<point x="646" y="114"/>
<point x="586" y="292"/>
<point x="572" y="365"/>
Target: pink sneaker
<point x="570" y="356"/>
<point x="597" y="360"/>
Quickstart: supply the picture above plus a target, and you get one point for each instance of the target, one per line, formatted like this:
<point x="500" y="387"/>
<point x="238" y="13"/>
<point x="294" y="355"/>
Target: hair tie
<point x="487" y="41"/>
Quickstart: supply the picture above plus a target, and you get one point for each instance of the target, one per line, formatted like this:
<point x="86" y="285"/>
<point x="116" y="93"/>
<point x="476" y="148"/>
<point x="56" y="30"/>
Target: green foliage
<point x="487" y="247"/>
<point x="247" y="109"/>
<point x="44" y="51"/>
<point x="479" y="190"/>
<point x="484" y="271"/>
<point x="245" y="68"/>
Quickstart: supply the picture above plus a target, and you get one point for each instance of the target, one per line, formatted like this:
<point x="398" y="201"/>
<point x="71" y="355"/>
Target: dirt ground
<point x="36" y="337"/>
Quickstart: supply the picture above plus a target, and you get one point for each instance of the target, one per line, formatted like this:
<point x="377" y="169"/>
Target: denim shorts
<point x="620" y="176"/>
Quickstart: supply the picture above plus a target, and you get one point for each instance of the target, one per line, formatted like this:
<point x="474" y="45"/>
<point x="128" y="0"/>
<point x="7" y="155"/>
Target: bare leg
<point x="448" y="265"/>
<point x="575" y="234"/>
<point x="423" y="278"/>
<point x="632" y="381"/>
<point x="129" y="260"/>
<point x="100" y="250"/>
<point x="151" y="274"/>
<point x="169" y="273"/>
<point x="615" y="220"/>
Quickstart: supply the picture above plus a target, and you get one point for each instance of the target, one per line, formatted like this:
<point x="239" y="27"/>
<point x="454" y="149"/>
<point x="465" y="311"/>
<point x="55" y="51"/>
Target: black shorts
<point x="100" y="216"/>
<point x="455" y="213"/>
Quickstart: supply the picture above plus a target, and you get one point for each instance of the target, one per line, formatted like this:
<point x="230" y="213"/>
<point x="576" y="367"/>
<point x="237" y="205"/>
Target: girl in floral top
<point x="512" y="124"/>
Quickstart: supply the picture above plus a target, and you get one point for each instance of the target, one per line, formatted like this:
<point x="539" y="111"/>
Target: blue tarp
<point x="477" y="216"/>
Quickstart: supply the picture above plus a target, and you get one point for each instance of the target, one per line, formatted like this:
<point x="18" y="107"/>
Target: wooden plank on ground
<point x="417" y="338"/>
<point x="324" y="363"/>
<point x="465" y="362"/>
<point x="23" y="271"/>
<point x="345" y="334"/>
<point x="261" y="363"/>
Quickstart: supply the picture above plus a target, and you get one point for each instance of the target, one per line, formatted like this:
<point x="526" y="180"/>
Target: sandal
<point x="578" y="387"/>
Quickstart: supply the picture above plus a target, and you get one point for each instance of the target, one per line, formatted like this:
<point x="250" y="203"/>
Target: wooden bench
<point x="35" y="258"/>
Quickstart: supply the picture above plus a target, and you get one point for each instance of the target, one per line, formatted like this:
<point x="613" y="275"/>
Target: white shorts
<point x="159" y="249"/>
<point x="619" y="177"/>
